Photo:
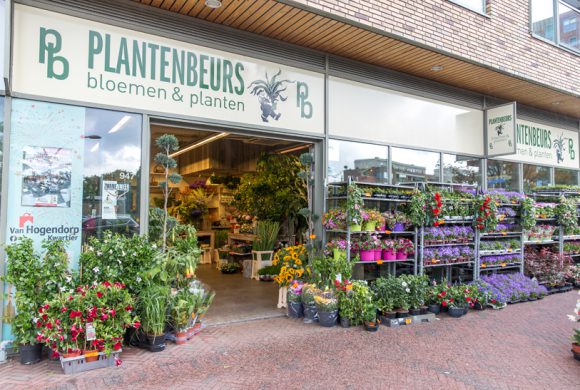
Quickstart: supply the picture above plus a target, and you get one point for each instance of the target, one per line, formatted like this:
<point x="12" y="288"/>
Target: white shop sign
<point x="501" y="130"/>
<point x="540" y="144"/>
<point x="75" y="59"/>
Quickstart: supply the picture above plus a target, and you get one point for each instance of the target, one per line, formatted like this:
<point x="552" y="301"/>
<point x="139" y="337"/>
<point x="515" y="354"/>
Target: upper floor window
<point x="475" y="5"/>
<point x="557" y="21"/>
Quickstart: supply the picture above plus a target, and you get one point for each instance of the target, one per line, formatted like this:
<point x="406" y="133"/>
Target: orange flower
<point x="312" y="236"/>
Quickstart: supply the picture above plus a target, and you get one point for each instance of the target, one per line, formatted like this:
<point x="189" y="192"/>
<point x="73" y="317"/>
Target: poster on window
<point x="46" y="176"/>
<point x="109" y="201"/>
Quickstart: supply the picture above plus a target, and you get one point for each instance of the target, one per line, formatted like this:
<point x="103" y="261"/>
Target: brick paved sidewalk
<point x="525" y="346"/>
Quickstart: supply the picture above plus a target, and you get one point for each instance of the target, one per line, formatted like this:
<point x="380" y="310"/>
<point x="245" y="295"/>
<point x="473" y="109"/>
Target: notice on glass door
<point x="46" y="176"/>
<point x="109" y="200"/>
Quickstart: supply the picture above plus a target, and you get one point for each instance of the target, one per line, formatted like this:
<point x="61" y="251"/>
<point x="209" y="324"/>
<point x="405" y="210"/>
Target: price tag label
<point x="338" y="278"/>
<point x="91" y="332"/>
<point x="408" y="321"/>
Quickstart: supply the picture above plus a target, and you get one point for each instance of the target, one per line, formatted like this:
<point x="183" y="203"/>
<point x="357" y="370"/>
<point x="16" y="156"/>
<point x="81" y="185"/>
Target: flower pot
<point x="382" y="228"/>
<point x="295" y="310"/>
<point x="478" y="306"/>
<point x="355" y="228"/>
<point x="156" y="342"/>
<point x="367" y="255"/>
<point x="328" y="319"/>
<point x="344" y="322"/>
<point x="378" y="253"/>
<point x="414" y="312"/>
<point x="401" y="255"/>
<point x="310" y="313"/>
<point x="338" y="253"/>
<point x="434" y="308"/>
<point x="455" y="312"/>
<point x="71" y="354"/>
<point x="371" y="326"/>
<point x="465" y="310"/>
<point x="402" y="313"/>
<point x="190" y="332"/>
<point x="91" y="355"/>
<point x="369" y="226"/>
<point x="389" y="254"/>
<point x="30" y="353"/>
<point x="399" y="227"/>
<point x="180" y="338"/>
<point x="575" y="348"/>
<point x="423" y="310"/>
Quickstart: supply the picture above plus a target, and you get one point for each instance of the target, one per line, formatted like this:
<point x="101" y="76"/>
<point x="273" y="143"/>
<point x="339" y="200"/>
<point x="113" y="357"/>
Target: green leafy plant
<point x="266" y="235"/>
<point x="354" y="204"/>
<point x="230" y="268"/>
<point x="528" y="213"/>
<point x="417" y="209"/>
<point x="167" y="143"/>
<point x="152" y="305"/>
<point x="156" y="216"/>
<point x="566" y="214"/>
<point x="383" y="289"/>
<point x="324" y="270"/>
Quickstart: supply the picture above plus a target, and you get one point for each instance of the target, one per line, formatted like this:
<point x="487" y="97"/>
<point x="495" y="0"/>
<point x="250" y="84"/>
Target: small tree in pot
<point x="263" y="245"/>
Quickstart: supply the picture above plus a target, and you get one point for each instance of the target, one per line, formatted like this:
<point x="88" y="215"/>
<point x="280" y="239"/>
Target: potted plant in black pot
<point x="383" y="296"/>
<point x="152" y="307"/>
<point x="370" y="317"/>
<point x="295" y="308"/>
<point x="456" y="301"/>
<point x="310" y="310"/>
<point x="327" y="307"/>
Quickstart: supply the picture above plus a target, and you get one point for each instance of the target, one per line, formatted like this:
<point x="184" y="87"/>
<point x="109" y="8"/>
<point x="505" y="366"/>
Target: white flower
<point x="123" y="253"/>
<point x="63" y="289"/>
<point x="134" y="253"/>
<point x="68" y="278"/>
<point x="191" y="290"/>
<point x="407" y="290"/>
<point x="110" y="251"/>
<point x="96" y="270"/>
<point x="154" y="246"/>
<point x="572" y="318"/>
<point x="35" y="320"/>
<point x="99" y="253"/>
<point x="138" y="279"/>
<point x="404" y="284"/>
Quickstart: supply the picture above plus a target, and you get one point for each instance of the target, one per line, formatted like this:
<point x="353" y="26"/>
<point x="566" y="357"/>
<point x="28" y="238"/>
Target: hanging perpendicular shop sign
<point x="500" y="130"/>
<point x="70" y="58"/>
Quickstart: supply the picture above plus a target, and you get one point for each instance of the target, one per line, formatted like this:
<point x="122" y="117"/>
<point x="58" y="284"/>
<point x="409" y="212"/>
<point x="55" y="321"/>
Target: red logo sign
<point x="26" y="217"/>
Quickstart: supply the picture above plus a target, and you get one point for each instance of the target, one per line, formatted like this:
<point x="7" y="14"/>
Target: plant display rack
<point x="387" y="200"/>
<point x="78" y="364"/>
<point x="449" y="221"/>
<point x="503" y="240"/>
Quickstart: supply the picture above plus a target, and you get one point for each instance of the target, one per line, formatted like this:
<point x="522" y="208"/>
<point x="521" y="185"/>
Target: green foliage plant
<point x="167" y="143"/>
<point x="324" y="269"/>
<point x="267" y="235"/>
<point x="566" y="214"/>
<point x="152" y="305"/>
<point x="528" y="213"/>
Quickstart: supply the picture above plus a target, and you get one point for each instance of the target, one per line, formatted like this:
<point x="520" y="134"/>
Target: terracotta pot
<point x="91" y="355"/>
<point x="575" y="348"/>
<point x="180" y="338"/>
<point x="71" y="354"/>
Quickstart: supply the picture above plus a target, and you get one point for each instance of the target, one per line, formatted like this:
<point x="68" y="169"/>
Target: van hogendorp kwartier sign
<point x="65" y="57"/>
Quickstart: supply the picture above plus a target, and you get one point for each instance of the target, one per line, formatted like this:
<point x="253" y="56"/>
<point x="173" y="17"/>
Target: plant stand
<point x="260" y="259"/>
<point x="282" y="292"/>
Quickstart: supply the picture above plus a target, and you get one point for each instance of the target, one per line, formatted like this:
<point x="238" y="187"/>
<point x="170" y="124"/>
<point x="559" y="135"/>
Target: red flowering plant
<point x="92" y="317"/>
<point x="485" y="218"/>
<point x="435" y="205"/>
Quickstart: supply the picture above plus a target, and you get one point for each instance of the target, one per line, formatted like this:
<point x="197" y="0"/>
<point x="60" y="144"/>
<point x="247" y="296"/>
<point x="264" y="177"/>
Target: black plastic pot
<point x="344" y="322"/>
<point x="156" y="343"/>
<point x="310" y="313"/>
<point x="30" y="354"/>
<point x="387" y="317"/>
<point x="435" y="309"/>
<point x="478" y="306"/>
<point x="295" y="310"/>
<point x="456" y="312"/>
<point x="465" y="310"/>
<point x="414" y="312"/>
<point x="402" y="314"/>
<point x="424" y="310"/>
<point x="328" y="318"/>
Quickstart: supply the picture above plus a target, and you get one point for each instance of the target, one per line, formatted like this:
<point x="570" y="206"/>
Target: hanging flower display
<point x="486" y="214"/>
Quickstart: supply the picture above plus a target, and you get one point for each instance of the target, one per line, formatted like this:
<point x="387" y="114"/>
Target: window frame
<point x="556" y="7"/>
<point x="481" y="11"/>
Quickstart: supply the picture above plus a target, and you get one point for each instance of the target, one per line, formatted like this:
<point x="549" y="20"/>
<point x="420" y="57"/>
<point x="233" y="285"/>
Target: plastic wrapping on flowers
<point x="295" y="291"/>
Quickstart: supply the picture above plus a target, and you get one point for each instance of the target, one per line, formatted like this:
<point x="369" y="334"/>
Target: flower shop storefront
<point x="132" y="145"/>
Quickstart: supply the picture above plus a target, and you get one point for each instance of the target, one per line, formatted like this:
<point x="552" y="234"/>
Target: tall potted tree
<point x="263" y="245"/>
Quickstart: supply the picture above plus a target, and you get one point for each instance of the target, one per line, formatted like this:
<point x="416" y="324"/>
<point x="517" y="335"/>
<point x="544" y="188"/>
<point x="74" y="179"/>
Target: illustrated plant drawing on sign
<point x="558" y="145"/>
<point x="269" y="91"/>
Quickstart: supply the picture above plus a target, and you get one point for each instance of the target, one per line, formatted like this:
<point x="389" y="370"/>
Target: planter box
<point x="78" y="364"/>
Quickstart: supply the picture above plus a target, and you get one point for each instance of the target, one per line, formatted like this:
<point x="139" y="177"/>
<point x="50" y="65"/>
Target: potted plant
<point x="354" y="207"/>
<point x="327" y="307"/>
<point x="346" y="304"/>
<point x="295" y="308"/>
<point x="263" y="245"/>
<point x="373" y="219"/>
<point x="310" y="311"/>
<point x="267" y="274"/>
<point x="383" y="296"/>
<point x="401" y="222"/>
<point x="401" y="291"/>
<point x="36" y="280"/>
<point x="230" y="268"/>
<point x="152" y="304"/>
<point x="291" y="261"/>
<point x="181" y="308"/>
<point x="388" y="252"/>
<point x="456" y="301"/>
<point x="404" y="247"/>
<point x="370" y="317"/>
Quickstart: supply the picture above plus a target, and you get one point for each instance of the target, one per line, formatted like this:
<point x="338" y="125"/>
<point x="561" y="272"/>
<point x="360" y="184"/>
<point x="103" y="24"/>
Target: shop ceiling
<point x="298" y="26"/>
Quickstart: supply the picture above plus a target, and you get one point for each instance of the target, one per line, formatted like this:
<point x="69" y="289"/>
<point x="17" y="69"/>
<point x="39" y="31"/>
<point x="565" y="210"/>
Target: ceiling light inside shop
<point x="437" y="68"/>
<point x="294" y="149"/>
<point x="120" y="124"/>
<point x="213" y="3"/>
<point x="200" y="143"/>
<point x="557" y="103"/>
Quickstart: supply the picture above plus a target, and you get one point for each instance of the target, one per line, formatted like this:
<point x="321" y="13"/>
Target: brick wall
<point x="502" y="40"/>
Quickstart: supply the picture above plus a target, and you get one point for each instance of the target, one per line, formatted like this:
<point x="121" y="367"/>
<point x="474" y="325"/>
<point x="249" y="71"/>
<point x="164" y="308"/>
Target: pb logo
<point x="50" y="44"/>
<point x="302" y="100"/>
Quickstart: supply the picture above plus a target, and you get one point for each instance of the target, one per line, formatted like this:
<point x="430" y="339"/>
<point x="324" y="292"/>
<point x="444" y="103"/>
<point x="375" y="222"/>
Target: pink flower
<point x="118" y="361"/>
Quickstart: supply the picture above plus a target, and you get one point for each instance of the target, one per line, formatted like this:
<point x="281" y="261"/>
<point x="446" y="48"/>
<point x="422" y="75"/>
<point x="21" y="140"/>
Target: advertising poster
<point x="501" y="130"/>
<point x="46" y="176"/>
<point x="45" y="179"/>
